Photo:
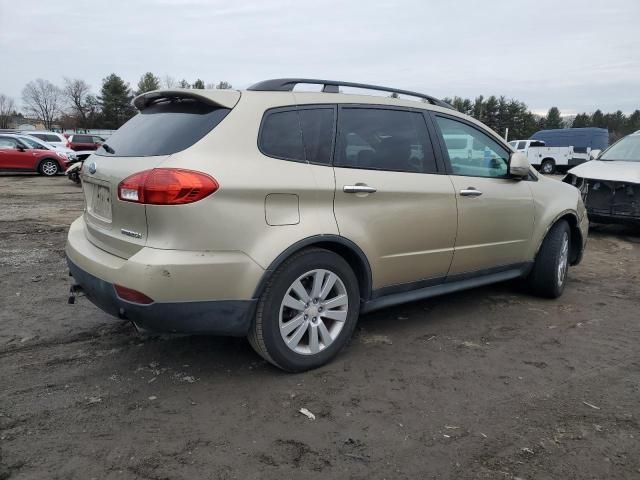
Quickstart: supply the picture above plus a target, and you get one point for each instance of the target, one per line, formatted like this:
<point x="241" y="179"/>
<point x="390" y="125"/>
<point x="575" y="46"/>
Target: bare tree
<point x="44" y="100"/>
<point x="169" y="81"/>
<point x="76" y="92"/>
<point x="7" y="107"/>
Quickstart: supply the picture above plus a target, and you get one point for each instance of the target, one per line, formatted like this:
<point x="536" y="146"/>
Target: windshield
<point x="626" y="150"/>
<point x="33" y="143"/>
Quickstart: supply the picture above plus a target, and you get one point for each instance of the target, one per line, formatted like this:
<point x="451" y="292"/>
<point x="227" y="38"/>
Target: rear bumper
<point x="192" y="292"/>
<point x="215" y="317"/>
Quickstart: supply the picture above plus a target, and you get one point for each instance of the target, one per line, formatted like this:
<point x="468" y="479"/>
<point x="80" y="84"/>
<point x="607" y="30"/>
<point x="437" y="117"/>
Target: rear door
<point x="143" y="143"/>
<point x="391" y="198"/>
<point x="495" y="212"/>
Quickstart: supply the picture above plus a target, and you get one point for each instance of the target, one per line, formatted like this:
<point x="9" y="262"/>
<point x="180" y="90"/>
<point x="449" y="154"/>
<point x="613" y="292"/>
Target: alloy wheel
<point x="313" y="312"/>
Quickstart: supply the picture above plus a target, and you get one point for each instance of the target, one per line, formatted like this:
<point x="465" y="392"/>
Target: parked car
<point x="610" y="185"/>
<point x="282" y="215"/>
<point x="80" y="142"/>
<point x="33" y="142"/>
<point x="52" y="138"/>
<point x="15" y="154"/>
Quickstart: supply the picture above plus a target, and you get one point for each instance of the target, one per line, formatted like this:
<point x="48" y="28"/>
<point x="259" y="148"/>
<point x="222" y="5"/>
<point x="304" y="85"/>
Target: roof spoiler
<point x="218" y="98"/>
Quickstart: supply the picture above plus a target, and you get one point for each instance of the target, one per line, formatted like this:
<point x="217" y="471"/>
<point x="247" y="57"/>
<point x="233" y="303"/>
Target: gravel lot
<point x="490" y="383"/>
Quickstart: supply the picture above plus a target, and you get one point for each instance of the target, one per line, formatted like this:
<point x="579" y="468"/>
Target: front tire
<point x="49" y="168"/>
<point x="307" y="312"/>
<point x="549" y="274"/>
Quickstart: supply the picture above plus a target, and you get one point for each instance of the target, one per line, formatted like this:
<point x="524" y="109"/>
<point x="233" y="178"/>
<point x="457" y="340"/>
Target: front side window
<point x="384" y="139"/>
<point x="472" y="152"/>
<point x="7" y="143"/>
<point x="626" y="150"/>
<point x="33" y="143"/>
<point x="522" y="145"/>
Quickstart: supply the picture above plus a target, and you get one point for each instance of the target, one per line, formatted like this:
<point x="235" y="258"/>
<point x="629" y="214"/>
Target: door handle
<point x="470" y="192"/>
<point x="358" y="189"/>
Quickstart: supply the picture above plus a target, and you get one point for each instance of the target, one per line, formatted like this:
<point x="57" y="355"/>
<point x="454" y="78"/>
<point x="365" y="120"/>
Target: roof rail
<point x="332" y="86"/>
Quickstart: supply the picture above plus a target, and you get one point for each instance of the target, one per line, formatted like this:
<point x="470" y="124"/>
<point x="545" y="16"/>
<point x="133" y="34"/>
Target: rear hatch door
<point x="169" y="122"/>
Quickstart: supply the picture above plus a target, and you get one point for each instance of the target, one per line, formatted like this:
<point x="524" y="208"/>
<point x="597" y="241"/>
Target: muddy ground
<point x="490" y="383"/>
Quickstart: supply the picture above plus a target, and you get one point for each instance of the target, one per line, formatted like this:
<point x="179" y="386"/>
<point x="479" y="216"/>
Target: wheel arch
<point x="576" y="235"/>
<point x="341" y="246"/>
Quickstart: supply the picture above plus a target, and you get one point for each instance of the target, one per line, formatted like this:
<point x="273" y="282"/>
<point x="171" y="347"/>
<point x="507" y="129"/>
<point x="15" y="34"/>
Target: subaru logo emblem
<point x="92" y="168"/>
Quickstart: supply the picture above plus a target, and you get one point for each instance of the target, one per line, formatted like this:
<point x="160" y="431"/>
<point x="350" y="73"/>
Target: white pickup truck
<point x="549" y="159"/>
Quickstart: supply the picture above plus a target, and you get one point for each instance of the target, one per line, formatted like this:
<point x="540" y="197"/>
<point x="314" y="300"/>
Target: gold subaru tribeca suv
<point x="282" y="215"/>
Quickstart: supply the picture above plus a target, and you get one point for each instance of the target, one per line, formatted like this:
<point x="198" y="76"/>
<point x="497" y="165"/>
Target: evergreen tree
<point x="597" y="119"/>
<point x="115" y="101"/>
<point x="199" y="84"/>
<point x="582" y="120"/>
<point x="184" y="84"/>
<point x="553" y="120"/>
<point x="222" y="85"/>
<point x="148" y="82"/>
<point x="633" y="122"/>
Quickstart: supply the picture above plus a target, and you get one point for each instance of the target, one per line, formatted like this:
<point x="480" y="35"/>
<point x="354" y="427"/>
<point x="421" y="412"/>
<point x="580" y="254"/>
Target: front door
<point x="495" y="212"/>
<point x="391" y="199"/>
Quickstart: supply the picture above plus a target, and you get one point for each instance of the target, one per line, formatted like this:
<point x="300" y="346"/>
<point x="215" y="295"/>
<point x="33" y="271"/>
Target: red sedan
<point x="16" y="155"/>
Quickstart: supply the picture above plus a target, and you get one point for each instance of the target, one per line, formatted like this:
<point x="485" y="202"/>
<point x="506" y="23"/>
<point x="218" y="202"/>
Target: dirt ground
<point x="489" y="383"/>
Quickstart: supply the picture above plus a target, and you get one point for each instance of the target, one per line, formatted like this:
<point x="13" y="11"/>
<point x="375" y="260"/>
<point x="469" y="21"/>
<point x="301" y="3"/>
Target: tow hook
<point x="74" y="291"/>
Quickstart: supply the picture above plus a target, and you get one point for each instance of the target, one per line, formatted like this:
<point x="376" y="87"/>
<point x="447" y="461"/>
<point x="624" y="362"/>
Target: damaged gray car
<point x="610" y="184"/>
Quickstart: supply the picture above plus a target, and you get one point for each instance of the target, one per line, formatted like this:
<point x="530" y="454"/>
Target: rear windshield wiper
<point x="108" y="148"/>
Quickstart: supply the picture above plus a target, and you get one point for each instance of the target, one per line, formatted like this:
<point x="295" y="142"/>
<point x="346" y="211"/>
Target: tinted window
<point x="522" y="145"/>
<point x="481" y="156"/>
<point x="51" y="138"/>
<point x="381" y="139"/>
<point x="281" y="136"/>
<point x="317" y="133"/>
<point x="164" y="128"/>
<point x="82" y="139"/>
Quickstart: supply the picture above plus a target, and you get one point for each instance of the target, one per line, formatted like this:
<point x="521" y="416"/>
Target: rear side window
<point x="383" y="139"/>
<point x="164" y="128"/>
<point x="302" y="135"/>
<point x="317" y="134"/>
<point x="281" y="136"/>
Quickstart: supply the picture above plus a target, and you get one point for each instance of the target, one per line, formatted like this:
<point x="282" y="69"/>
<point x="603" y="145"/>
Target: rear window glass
<point x="163" y="129"/>
<point x="82" y="139"/>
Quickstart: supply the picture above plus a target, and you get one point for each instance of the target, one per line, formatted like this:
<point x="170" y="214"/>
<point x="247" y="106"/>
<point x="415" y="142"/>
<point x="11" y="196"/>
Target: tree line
<point x="74" y="106"/>
<point x="501" y="113"/>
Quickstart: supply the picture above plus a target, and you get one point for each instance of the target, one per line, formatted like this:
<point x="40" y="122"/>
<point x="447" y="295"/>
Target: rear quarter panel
<point x="234" y="217"/>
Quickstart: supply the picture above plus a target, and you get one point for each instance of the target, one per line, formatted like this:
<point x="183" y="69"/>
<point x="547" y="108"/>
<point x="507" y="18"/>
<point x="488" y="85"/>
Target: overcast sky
<point x="577" y="55"/>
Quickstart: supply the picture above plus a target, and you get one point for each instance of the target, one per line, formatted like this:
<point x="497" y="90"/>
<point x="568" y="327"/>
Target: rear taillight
<point x="166" y="186"/>
<point x="131" y="295"/>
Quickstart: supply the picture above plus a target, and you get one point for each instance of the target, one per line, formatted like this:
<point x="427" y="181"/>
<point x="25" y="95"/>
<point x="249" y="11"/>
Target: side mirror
<point x="20" y="148"/>
<point x="594" y="154"/>
<point x="519" y="165"/>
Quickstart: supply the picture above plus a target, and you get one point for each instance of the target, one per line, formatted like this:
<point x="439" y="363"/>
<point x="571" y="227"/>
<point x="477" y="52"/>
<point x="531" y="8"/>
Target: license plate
<point x="101" y="203"/>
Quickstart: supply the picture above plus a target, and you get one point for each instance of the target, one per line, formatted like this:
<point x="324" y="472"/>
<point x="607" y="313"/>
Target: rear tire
<point x="548" y="166"/>
<point x="307" y="312"/>
<point x="49" y="167"/>
<point x="549" y="274"/>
